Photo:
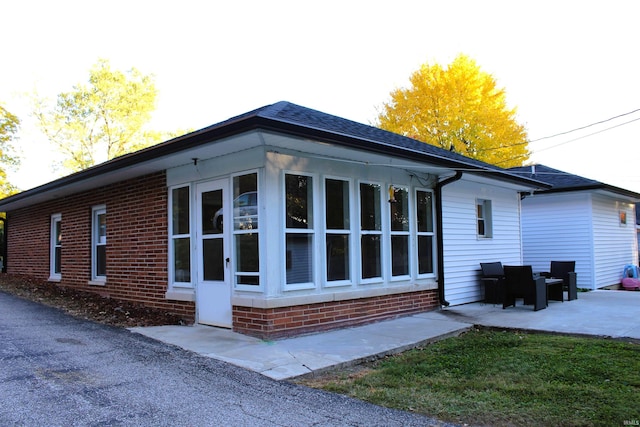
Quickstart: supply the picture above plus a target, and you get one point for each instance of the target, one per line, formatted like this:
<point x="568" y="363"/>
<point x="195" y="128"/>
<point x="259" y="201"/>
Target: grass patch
<point x="505" y="378"/>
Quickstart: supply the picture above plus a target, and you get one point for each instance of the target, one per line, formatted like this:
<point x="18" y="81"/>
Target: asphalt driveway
<point x="61" y="371"/>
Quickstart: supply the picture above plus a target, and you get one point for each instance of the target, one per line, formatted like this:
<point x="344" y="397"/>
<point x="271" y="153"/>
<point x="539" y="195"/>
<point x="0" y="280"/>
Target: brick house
<point x="277" y="222"/>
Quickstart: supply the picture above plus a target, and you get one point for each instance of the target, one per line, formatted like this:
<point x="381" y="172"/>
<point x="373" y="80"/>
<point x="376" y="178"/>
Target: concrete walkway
<point x="613" y="314"/>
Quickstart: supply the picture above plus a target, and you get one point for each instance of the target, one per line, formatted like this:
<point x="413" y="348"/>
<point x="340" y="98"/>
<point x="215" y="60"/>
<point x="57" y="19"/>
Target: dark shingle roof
<point x="291" y="119"/>
<point x="313" y="119"/>
<point x="564" y="181"/>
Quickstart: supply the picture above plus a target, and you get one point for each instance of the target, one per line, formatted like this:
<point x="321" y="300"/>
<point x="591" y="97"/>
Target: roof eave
<point x="596" y="187"/>
<point x="245" y="123"/>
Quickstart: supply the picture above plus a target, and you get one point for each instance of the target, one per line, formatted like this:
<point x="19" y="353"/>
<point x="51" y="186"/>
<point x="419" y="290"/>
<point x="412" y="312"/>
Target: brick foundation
<point x="302" y="319"/>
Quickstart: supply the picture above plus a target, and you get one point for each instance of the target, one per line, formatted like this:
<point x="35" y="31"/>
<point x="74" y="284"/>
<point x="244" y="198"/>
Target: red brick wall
<point x="137" y="256"/>
<point x="296" y="320"/>
<point x="136" y="242"/>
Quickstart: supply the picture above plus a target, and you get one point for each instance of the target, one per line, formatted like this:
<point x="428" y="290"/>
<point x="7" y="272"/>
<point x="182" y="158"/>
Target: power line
<point x="566" y="132"/>
<point x="589" y="125"/>
<point x="585" y="136"/>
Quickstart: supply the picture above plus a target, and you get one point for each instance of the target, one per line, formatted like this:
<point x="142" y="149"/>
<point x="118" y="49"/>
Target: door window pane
<point x="212" y="212"/>
<point x="213" y="259"/>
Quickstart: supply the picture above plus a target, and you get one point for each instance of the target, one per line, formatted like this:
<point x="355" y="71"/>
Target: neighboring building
<point x="280" y="221"/>
<point x="580" y="220"/>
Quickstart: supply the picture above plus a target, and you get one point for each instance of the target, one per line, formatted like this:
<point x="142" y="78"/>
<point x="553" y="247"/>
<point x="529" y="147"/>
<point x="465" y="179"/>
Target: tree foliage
<point x="101" y="119"/>
<point x="9" y="125"/>
<point x="458" y="108"/>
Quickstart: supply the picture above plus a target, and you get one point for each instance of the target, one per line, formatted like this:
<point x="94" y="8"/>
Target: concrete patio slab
<point x="614" y="314"/>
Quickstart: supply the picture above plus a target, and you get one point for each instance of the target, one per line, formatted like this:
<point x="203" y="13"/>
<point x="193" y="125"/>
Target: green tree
<point x="458" y="108"/>
<point x="101" y="119"/>
<point x="9" y="125"/>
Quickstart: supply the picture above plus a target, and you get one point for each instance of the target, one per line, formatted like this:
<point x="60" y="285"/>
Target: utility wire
<point x="566" y="132"/>
<point x="588" y="126"/>
<point x="572" y="140"/>
<point x="584" y="136"/>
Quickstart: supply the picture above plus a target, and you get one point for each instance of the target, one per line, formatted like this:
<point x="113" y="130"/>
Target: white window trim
<point x="418" y="233"/>
<point x="350" y="232"/>
<point x="95" y="211"/>
<point x="409" y="233"/>
<point x="173" y="285"/>
<point x="487" y="218"/>
<point x="308" y="231"/>
<point x="53" y="276"/>
<point x="260" y="231"/>
<point x="383" y="245"/>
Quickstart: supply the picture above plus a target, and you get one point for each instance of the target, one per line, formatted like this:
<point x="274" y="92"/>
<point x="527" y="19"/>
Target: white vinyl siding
<point x="582" y="227"/>
<point x="463" y="250"/>
<point x="614" y="244"/>
<point x="558" y="227"/>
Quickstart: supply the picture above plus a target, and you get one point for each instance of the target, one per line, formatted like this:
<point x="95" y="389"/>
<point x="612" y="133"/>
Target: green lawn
<point x="505" y="378"/>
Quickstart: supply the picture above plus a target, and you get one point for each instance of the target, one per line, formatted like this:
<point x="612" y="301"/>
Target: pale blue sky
<point x="564" y="64"/>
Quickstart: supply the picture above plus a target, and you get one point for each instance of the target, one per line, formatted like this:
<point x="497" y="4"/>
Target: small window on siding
<point x="55" y="264"/>
<point x="99" y="244"/>
<point x="483" y="212"/>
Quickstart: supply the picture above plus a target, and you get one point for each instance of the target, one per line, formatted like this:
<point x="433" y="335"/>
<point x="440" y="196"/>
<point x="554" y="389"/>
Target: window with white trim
<point x="424" y="231"/>
<point x="180" y="235"/>
<point x="55" y="257"/>
<point x="299" y="231"/>
<point x="99" y="244"/>
<point x="337" y="231"/>
<point x="246" y="231"/>
<point x="483" y="213"/>
<point x="370" y="231"/>
<point x="399" y="230"/>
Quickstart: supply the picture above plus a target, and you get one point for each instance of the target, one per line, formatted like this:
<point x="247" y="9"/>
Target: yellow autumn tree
<point x="458" y="108"/>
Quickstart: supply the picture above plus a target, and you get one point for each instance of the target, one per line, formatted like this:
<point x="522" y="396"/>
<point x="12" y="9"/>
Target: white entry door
<point x="213" y="292"/>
